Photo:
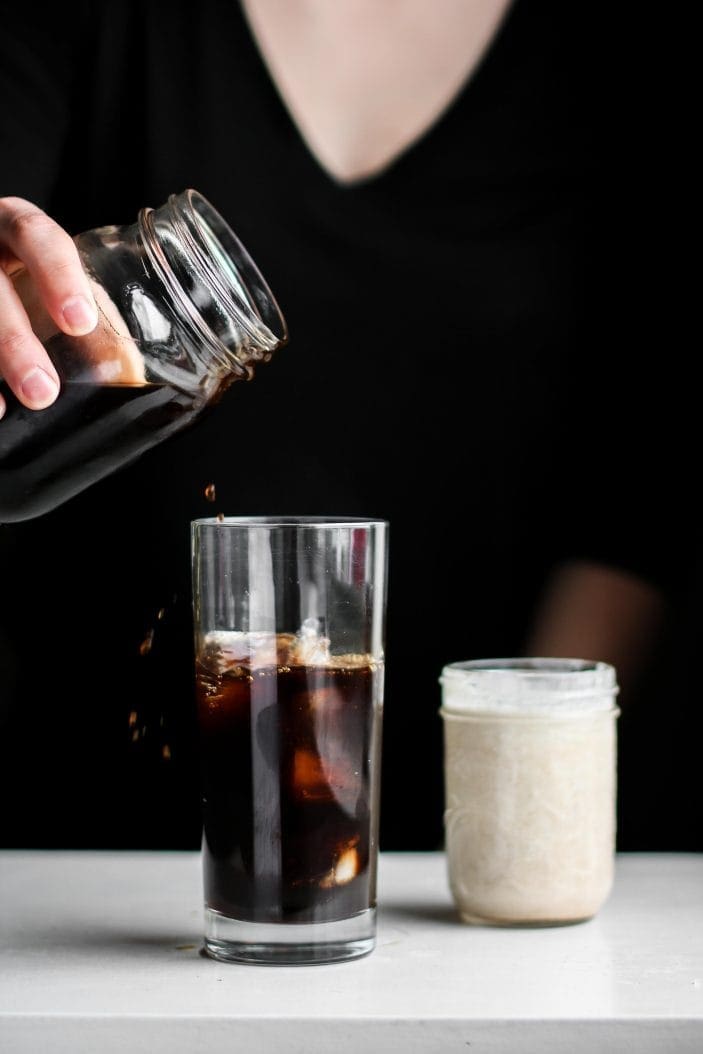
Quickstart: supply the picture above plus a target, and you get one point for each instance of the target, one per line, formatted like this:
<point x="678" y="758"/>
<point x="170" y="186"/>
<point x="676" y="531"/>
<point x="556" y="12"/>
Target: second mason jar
<point x="183" y="312"/>
<point x="530" y="778"/>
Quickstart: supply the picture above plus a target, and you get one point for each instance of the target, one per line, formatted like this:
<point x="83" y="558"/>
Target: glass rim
<point x="289" y="521"/>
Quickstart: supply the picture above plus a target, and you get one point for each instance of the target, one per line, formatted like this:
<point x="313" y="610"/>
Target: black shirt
<point x="455" y="365"/>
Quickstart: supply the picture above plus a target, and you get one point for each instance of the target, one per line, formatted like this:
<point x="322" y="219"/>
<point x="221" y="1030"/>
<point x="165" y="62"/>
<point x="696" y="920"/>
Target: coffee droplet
<point x="146" y="644"/>
<point x="210" y="492"/>
<point x="132" y="718"/>
<point x="220" y="517"/>
<point x="160" y="613"/>
<point x="166" y="752"/>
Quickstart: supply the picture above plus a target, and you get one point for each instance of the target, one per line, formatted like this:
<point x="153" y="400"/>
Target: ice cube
<point x="346" y="866"/>
<point x="309" y="647"/>
<point x="308" y="777"/>
<point x="227" y="651"/>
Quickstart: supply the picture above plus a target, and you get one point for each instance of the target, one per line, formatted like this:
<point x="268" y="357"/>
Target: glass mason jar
<point x="183" y="313"/>
<point x="530" y="780"/>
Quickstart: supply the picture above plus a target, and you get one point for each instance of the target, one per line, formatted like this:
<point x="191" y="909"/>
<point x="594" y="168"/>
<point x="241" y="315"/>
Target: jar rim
<point x="516" y="685"/>
<point x="266" y="323"/>
<point x="530" y="667"/>
<point x="233" y="279"/>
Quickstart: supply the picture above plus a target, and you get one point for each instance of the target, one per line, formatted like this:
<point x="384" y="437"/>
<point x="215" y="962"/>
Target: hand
<point x="29" y="238"/>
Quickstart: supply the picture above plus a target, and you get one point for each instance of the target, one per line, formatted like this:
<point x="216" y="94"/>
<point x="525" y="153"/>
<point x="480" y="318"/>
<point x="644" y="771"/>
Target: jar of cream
<point x="530" y="782"/>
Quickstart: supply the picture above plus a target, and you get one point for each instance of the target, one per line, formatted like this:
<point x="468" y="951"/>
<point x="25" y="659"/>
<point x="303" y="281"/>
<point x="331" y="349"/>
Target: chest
<point x="361" y="80"/>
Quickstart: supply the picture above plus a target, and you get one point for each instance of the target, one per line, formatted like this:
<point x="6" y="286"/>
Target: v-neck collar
<point x="416" y="146"/>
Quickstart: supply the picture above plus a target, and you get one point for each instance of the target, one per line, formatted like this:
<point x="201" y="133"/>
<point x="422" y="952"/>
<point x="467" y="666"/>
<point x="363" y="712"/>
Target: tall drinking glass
<point x="289" y="617"/>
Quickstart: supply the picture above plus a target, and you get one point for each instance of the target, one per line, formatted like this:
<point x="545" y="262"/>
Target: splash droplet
<point x="146" y="644"/>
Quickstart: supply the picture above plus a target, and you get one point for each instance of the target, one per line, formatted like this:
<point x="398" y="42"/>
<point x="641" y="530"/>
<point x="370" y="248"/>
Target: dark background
<point x="507" y="402"/>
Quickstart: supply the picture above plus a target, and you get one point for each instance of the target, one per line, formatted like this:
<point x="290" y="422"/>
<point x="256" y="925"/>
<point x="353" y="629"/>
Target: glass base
<point x="289" y="943"/>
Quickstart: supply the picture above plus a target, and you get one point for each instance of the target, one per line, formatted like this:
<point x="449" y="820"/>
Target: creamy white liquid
<point x="530" y="807"/>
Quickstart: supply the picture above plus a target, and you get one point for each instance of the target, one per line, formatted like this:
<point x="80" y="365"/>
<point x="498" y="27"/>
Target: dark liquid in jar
<point x="47" y="456"/>
<point x="287" y="790"/>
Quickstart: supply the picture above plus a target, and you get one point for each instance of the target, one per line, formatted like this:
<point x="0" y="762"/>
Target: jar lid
<point x="528" y="686"/>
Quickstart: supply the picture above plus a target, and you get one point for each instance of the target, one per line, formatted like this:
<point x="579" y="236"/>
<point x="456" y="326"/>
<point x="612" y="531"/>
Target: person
<point x="426" y="190"/>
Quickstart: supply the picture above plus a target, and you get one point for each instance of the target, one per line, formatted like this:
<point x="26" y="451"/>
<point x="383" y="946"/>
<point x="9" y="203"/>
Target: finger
<point x="52" y="259"/>
<point x="2" y="407"/>
<point x="24" y="363"/>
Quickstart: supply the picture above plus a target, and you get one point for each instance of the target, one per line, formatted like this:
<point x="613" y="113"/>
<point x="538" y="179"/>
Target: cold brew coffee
<point x="289" y="735"/>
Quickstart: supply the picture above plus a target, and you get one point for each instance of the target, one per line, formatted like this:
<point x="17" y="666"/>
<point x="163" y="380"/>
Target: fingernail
<point x="39" y="388"/>
<point x="80" y="315"/>
<point x="2" y="408"/>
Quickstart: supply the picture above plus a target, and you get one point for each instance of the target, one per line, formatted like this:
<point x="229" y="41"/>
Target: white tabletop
<point x="100" y="952"/>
